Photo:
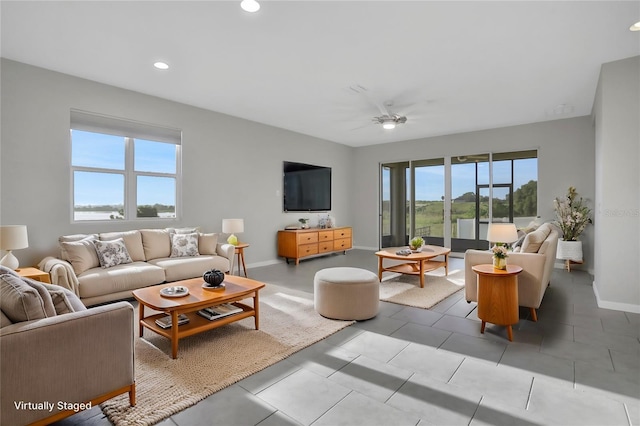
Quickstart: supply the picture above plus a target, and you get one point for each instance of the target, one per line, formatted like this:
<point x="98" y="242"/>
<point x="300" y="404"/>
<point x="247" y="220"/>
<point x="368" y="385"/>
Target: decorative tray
<point x="211" y="287"/>
<point x="177" y="291"/>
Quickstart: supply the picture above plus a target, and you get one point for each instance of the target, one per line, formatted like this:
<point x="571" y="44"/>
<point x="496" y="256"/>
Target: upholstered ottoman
<point x="346" y="293"/>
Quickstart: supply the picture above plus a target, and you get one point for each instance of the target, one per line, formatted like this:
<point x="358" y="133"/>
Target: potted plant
<point x="303" y="222"/>
<point x="416" y="243"/>
<point x="572" y="216"/>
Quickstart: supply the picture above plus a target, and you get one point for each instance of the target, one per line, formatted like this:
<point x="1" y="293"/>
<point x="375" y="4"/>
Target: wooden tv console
<point x="299" y="243"/>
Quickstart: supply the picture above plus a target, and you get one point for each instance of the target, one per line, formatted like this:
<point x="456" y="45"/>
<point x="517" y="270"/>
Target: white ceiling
<point x="448" y="66"/>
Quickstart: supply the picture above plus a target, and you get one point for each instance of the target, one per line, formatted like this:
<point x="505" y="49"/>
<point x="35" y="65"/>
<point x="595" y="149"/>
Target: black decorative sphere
<point x="214" y="277"/>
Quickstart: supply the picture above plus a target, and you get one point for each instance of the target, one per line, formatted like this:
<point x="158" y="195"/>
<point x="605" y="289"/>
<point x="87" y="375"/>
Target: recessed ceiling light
<point x="161" y="65"/>
<point x="250" y="5"/>
<point x="635" y="27"/>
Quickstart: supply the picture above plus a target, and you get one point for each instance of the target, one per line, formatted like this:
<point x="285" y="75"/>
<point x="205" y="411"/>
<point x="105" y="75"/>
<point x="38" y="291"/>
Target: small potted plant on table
<point x="416" y="243"/>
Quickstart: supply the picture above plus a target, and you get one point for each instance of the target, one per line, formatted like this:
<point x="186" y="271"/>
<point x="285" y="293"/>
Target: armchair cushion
<point x="21" y="302"/>
<point x="534" y="240"/>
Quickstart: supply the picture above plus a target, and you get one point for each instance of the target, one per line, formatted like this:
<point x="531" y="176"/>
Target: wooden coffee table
<point x="415" y="263"/>
<point x="236" y="289"/>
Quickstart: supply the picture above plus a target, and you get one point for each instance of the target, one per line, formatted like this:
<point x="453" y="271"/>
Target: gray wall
<point x="617" y="213"/>
<point x="566" y="156"/>
<point x="231" y="167"/>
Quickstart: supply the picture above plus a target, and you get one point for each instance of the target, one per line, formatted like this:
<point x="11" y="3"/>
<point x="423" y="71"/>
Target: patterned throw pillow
<point x="183" y="245"/>
<point x="112" y="253"/>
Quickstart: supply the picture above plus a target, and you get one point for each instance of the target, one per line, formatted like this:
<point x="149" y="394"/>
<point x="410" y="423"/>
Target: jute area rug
<point x="215" y="359"/>
<point x="405" y="289"/>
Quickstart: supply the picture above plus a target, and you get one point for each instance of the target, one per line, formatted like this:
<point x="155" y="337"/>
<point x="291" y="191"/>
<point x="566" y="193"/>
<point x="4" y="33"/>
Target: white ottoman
<point x="346" y="293"/>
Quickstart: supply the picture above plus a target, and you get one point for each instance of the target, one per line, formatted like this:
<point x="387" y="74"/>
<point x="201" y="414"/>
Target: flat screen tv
<point x="307" y="188"/>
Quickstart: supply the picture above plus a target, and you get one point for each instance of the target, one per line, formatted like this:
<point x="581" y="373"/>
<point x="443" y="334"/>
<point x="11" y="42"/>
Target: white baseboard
<point x="366" y="248"/>
<point x="616" y="306"/>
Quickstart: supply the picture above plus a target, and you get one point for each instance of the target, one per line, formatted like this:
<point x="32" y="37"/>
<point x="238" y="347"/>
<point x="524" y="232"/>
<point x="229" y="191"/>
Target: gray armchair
<point x="73" y="358"/>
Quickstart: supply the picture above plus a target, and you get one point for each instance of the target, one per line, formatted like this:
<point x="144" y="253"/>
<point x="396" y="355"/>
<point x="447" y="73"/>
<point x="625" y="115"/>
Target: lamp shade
<point x="231" y="226"/>
<point x="502" y="233"/>
<point x="13" y="237"/>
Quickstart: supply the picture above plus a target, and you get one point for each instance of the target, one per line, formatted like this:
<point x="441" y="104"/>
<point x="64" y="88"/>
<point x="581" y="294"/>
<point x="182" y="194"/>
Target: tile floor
<point x="578" y="365"/>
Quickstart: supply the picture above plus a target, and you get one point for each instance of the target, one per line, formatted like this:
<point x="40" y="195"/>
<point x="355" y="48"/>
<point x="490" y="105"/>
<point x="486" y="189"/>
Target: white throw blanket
<point x="61" y="272"/>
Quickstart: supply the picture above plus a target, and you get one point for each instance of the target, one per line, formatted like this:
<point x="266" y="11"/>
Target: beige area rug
<point x="213" y="360"/>
<point x="405" y="289"/>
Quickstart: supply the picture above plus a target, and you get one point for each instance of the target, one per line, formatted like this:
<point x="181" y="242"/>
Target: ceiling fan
<point x="389" y="121"/>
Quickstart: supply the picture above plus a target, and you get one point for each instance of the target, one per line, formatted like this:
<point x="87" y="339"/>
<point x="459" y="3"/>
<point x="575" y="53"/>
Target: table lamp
<point x="502" y="233"/>
<point x="12" y="237"/>
<point x="232" y="226"/>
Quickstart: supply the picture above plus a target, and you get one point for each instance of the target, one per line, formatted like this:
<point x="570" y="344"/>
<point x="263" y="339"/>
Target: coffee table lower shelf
<point x="197" y="324"/>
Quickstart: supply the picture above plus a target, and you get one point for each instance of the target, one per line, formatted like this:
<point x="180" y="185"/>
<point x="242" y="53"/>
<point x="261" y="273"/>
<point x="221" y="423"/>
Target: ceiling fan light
<point x="250" y="5"/>
<point x="389" y="125"/>
<point x="635" y="27"/>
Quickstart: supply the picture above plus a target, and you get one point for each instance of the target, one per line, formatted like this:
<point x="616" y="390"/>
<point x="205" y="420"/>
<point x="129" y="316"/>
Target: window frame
<point x="130" y="131"/>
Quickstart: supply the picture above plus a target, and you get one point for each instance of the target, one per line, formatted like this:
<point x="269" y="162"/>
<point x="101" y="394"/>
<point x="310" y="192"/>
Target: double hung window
<point x="123" y="170"/>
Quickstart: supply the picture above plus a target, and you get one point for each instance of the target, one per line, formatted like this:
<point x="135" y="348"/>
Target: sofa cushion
<point x="534" y="240"/>
<point x="133" y="241"/>
<point x="208" y="243"/>
<point x="156" y="243"/>
<point x="183" y="268"/>
<point x="183" y="245"/>
<point x="99" y="282"/>
<point x="81" y="254"/>
<point x="19" y="301"/>
<point x="70" y="239"/>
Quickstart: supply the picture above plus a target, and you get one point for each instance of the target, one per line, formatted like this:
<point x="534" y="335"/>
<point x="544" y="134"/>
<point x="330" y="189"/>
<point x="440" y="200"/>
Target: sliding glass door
<point x="451" y="201"/>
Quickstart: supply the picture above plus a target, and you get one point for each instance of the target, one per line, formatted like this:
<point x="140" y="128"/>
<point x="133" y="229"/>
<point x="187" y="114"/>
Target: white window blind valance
<point x="98" y="123"/>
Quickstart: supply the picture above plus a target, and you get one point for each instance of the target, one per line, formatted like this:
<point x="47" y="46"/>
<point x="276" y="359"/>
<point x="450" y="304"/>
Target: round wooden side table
<point x="498" y="296"/>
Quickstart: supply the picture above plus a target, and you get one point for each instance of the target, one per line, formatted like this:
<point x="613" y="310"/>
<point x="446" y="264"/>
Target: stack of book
<point x="165" y="322"/>
<point x="220" y="311"/>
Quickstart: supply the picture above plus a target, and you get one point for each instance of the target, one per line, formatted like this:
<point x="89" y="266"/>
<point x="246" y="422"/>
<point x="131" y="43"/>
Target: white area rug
<point x="405" y="289"/>
<point x="211" y="361"/>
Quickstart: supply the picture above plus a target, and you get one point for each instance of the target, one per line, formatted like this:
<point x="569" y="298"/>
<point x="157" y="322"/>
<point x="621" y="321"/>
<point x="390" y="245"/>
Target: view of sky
<point x="430" y="179"/>
<point x="109" y="152"/>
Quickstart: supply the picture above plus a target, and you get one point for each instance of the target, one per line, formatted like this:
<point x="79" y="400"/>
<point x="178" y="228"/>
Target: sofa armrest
<point x="61" y="273"/>
<point x="73" y="358"/>
<point x="228" y="251"/>
<point x="531" y="287"/>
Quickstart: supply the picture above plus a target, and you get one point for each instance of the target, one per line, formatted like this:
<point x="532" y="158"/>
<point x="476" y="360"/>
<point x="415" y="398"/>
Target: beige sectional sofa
<point x="536" y="256"/>
<point x="103" y="267"/>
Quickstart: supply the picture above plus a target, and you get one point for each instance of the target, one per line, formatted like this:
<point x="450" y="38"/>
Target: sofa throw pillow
<point x="183" y="245"/>
<point x="133" y="241"/>
<point x="81" y="254"/>
<point x="19" y="301"/>
<point x="207" y="244"/>
<point x="112" y="253"/>
<point x="534" y="240"/>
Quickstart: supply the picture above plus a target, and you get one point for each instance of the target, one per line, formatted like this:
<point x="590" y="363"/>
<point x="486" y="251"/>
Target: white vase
<point x="569" y="250"/>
